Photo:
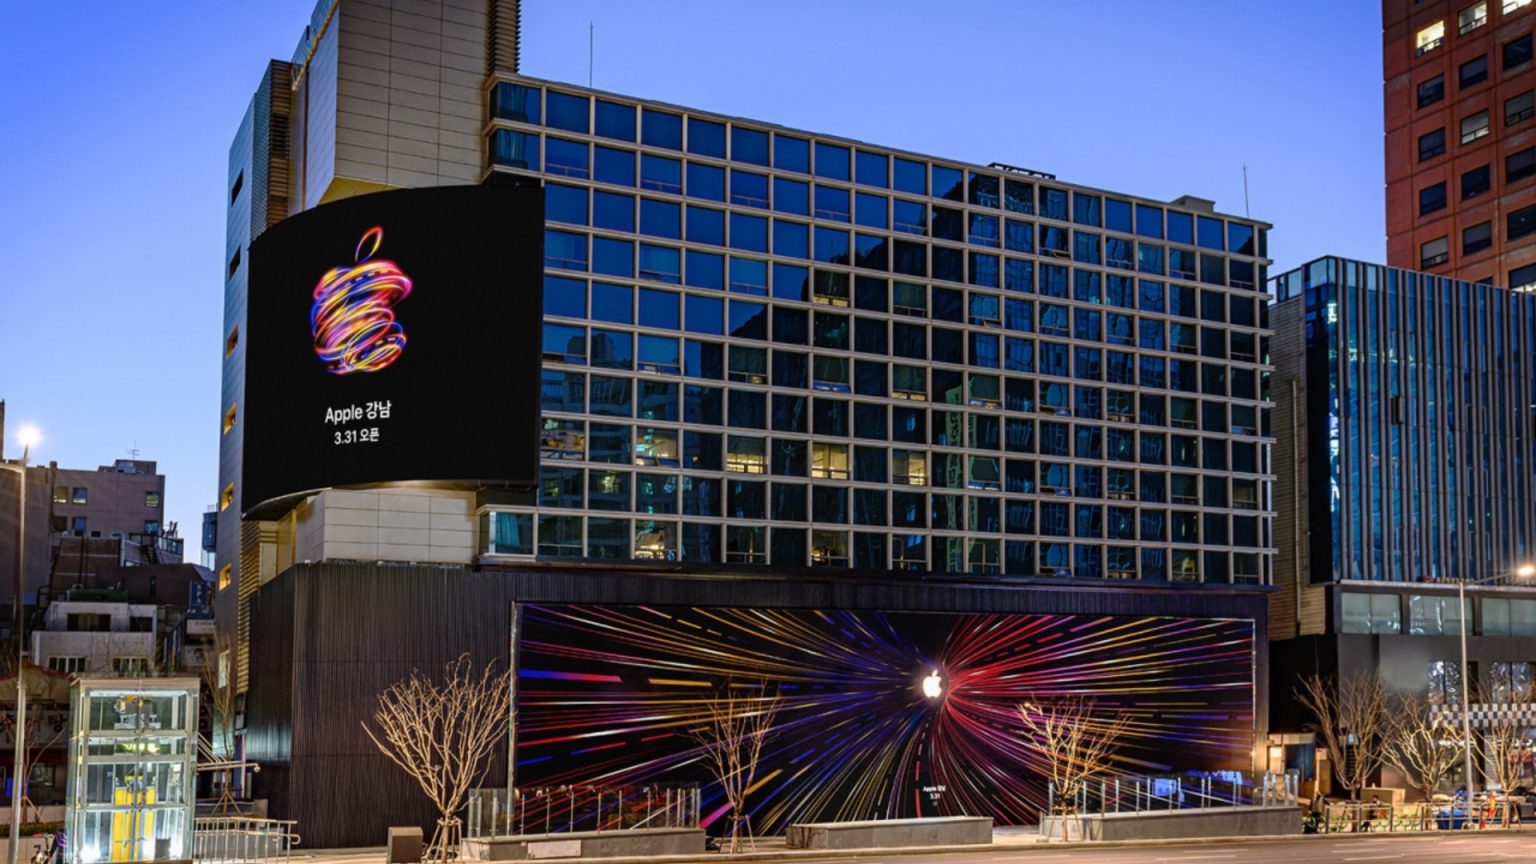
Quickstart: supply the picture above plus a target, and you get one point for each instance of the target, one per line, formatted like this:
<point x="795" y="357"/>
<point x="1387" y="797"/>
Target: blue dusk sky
<point x="117" y="119"/>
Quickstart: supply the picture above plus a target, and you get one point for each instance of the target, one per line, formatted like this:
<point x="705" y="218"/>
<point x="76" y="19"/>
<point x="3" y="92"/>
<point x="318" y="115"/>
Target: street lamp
<point x="1522" y="573"/>
<point x="27" y="436"/>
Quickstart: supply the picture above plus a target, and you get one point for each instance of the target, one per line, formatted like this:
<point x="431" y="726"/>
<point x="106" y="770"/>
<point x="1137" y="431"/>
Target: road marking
<point x="1374" y="857"/>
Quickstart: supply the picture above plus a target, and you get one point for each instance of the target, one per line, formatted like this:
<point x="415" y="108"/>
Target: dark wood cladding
<point x="326" y="638"/>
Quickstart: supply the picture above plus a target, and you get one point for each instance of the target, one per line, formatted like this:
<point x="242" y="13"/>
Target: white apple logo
<point x="933" y="685"/>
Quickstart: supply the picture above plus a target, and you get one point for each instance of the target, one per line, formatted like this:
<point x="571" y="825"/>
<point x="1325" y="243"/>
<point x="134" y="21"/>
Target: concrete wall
<point x="398" y="524"/>
<point x="634" y="843"/>
<point x="392" y="96"/>
<point x="893" y="833"/>
<point x="1177" y="824"/>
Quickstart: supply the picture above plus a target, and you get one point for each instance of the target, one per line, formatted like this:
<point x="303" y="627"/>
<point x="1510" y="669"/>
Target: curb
<point x="823" y="854"/>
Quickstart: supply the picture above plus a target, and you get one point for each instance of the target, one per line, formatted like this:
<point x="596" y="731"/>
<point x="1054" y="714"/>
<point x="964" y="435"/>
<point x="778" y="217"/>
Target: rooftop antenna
<point x="1246" y="214"/>
<point x="133" y="452"/>
<point x="591" y="27"/>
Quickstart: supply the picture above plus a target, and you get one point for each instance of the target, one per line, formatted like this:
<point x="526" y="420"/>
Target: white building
<point x="98" y="638"/>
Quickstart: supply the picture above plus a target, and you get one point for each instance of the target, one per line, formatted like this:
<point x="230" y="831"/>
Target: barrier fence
<point x="565" y="809"/>
<point x="1350" y="817"/>
<point x="243" y="839"/>
<point x="1142" y="794"/>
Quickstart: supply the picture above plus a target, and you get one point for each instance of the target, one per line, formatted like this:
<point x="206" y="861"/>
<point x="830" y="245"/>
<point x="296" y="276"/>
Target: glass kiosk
<point x="132" y="769"/>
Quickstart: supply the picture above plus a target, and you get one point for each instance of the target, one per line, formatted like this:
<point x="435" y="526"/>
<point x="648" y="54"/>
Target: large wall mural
<point x="879" y="711"/>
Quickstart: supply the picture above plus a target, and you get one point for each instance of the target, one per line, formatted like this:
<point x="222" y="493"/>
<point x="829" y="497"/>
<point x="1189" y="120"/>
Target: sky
<point x="116" y="118"/>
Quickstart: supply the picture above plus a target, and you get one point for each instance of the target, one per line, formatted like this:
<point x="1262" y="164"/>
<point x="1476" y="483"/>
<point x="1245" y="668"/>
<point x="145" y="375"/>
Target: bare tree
<point x="42" y="736"/>
<point x="1077" y="740"/>
<point x="1506" y="745"/>
<point x="739" y="719"/>
<point x="442" y="734"/>
<point x="1423" y="742"/>
<point x="219" y="752"/>
<point x="1352" y="718"/>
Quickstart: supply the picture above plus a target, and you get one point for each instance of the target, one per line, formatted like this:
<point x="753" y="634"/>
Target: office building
<point x="1404" y="400"/>
<point x="803" y="384"/>
<point x="1460" y="110"/>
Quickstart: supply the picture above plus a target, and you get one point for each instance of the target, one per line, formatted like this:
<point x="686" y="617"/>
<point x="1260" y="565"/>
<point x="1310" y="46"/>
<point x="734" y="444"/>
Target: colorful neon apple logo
<point x="353" y="319"/>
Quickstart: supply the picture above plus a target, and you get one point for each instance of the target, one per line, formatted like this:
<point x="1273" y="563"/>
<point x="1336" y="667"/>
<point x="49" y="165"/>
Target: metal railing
<point x="1351" y="817"/>
<point x="1145" y="794"/>
<point x="243" y="838"/>
<point x="565" y="809"/>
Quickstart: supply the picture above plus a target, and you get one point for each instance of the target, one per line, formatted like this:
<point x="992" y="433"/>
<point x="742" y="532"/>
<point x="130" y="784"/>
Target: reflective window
<point x="613" y="166"/>
<point x="706" y="181"/>
<point x="1476" y="182"/>
<point x="749" y="189"/>
<point x="1474" y="71"/>
<point x="661" y="129"/>
<point x="1432" y="198"/>
<point x="1520" y="165"/>
<point x="791" y="154"/>
<point x="791" y="196"/>
<point x="613" y="211"/>
<point x="615" y="120"/>
<point x="948" y="183"/>
<point x="661" y="174"/>
<point x="706" y="137"/>
<point x="910" y="176"/>
<point x="1431" y="91"/>
<point x="749" y="145"/>
<point x="567" y="111"/>
<point x="1519" y="108"/>
<point x="1472" y="128"/>
<point x="831" y="161"/>
<point x="1431" y="144"/>
<point x="515" y="102"/>
<point x="1518" y="52"/>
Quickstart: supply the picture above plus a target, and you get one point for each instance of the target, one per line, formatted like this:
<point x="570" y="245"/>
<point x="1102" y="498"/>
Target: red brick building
<point x="1460" y="110"/>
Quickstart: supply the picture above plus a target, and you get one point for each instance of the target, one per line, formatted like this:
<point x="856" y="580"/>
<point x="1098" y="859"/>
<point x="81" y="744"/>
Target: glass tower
<point x="1416" y="392"/>
<point x="771" y="347"/>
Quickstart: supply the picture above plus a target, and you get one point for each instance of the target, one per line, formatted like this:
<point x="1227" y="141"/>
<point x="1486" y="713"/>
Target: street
<point x="1489" y="848"/>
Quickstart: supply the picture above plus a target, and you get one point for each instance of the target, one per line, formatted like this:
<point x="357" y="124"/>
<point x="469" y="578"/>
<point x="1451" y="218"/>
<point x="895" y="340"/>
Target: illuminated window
<point x="61" y="494"/>
<point x="80" y="495"/>
<point x="1523" y="278"/>
<point x="829" y="461"/>
<point x="229" y="419"/>
<point x="152" y="500"/>
<point x="655" y="446"/>
<point x="1512" y="6"/>
<point x="226" y="573"/>
<point x="232" y="341"/>
<point x="1430" y="38"/>
<point x="563" y="439"/>
<point x="1474" y="127"/>
<point x="1471" y="18"/>
<point x="1434" y="253"/>
<point x="909" y="467"/>
<point x="227" y="497"/>
<point x="829" y="548"/>
<point x="746" y="455"/>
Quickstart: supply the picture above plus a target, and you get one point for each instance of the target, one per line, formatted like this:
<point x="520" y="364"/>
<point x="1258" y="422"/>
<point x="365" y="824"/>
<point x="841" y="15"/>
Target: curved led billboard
<point x="394" y="337"/>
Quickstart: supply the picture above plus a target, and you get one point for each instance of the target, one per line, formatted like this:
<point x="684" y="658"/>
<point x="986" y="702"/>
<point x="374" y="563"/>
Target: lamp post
<point x="1524" y="571"/>
<point x="27" y="436"/>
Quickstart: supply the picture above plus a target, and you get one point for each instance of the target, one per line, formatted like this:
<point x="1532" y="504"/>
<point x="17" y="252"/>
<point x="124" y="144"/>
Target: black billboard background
<point x="457" y="406"/>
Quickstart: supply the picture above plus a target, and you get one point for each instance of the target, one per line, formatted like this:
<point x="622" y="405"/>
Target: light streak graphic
<point x="856" y="737"/>
<point x="353" y="319"/>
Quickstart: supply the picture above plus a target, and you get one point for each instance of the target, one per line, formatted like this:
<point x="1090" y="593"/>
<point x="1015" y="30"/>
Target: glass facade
<point x="1417" y="393"/>
<point x="764" y="346"/>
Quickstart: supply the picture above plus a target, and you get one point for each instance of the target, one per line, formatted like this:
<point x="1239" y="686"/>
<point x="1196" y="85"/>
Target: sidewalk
<point x="1003" y="839"/>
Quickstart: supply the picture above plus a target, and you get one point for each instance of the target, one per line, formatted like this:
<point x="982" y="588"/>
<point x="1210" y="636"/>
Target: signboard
<point x="394" y="337"/>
